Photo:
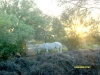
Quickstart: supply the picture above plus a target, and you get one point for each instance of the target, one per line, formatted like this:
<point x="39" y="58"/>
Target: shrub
<point x="8" y="73"/>
<point x="34" y="70"/>
<point x="5" y="53"/>
<point x="22" y="62"/>
<point x="53" y="64"/>
<point x="10" y="67"/>
<point x="72" y="43"/>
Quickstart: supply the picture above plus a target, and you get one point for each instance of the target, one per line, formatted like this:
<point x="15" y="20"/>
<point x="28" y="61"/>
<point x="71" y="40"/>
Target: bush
<point x="72" y="43"/>
<point x="5" y="53"/>
<point x="6" y="50"/>
<point x="10" y="67"/>
<point x="50" y="69"/>
<point x="8" y="73"/>
<point x="35" y="70"/>
<point x="22" y="62"/>
<point x="53" y="64"/>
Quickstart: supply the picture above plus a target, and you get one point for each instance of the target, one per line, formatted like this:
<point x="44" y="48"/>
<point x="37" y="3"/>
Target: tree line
<point x="21" y="21"/>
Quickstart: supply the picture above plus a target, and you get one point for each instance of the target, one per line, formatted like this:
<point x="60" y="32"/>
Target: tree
<point x="57" y="29"/>
<point x="77" y="17"/>
<point x="18" y="20"/>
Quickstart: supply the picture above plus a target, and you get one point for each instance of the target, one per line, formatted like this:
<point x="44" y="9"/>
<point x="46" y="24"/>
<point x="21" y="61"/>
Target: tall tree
<point x="20" y="20"/>
<point x="76" y="17"/>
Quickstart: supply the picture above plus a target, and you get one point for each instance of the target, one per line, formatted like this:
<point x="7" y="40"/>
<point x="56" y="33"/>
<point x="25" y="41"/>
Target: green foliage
<point x="6" y="49"/>
<point x="42" y="29"/>
<point x="21" y="20"/>
<point x="88" y="32"/>
<point x="57" y="28"/>
<point x="14" y="31"/>
<point x="72" y="43"/>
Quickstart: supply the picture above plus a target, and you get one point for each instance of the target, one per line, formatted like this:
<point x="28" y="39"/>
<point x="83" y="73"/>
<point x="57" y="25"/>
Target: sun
<point x="49" y="7"/>
<point x="79" y="29"/>
<point x="82" y="31"/>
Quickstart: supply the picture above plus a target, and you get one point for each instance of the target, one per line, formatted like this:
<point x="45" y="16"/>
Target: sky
<point x="49" y="7"/>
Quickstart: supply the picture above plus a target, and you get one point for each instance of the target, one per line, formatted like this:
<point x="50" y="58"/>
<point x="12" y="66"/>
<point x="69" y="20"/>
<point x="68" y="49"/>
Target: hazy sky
<point x="50" y="7"/>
